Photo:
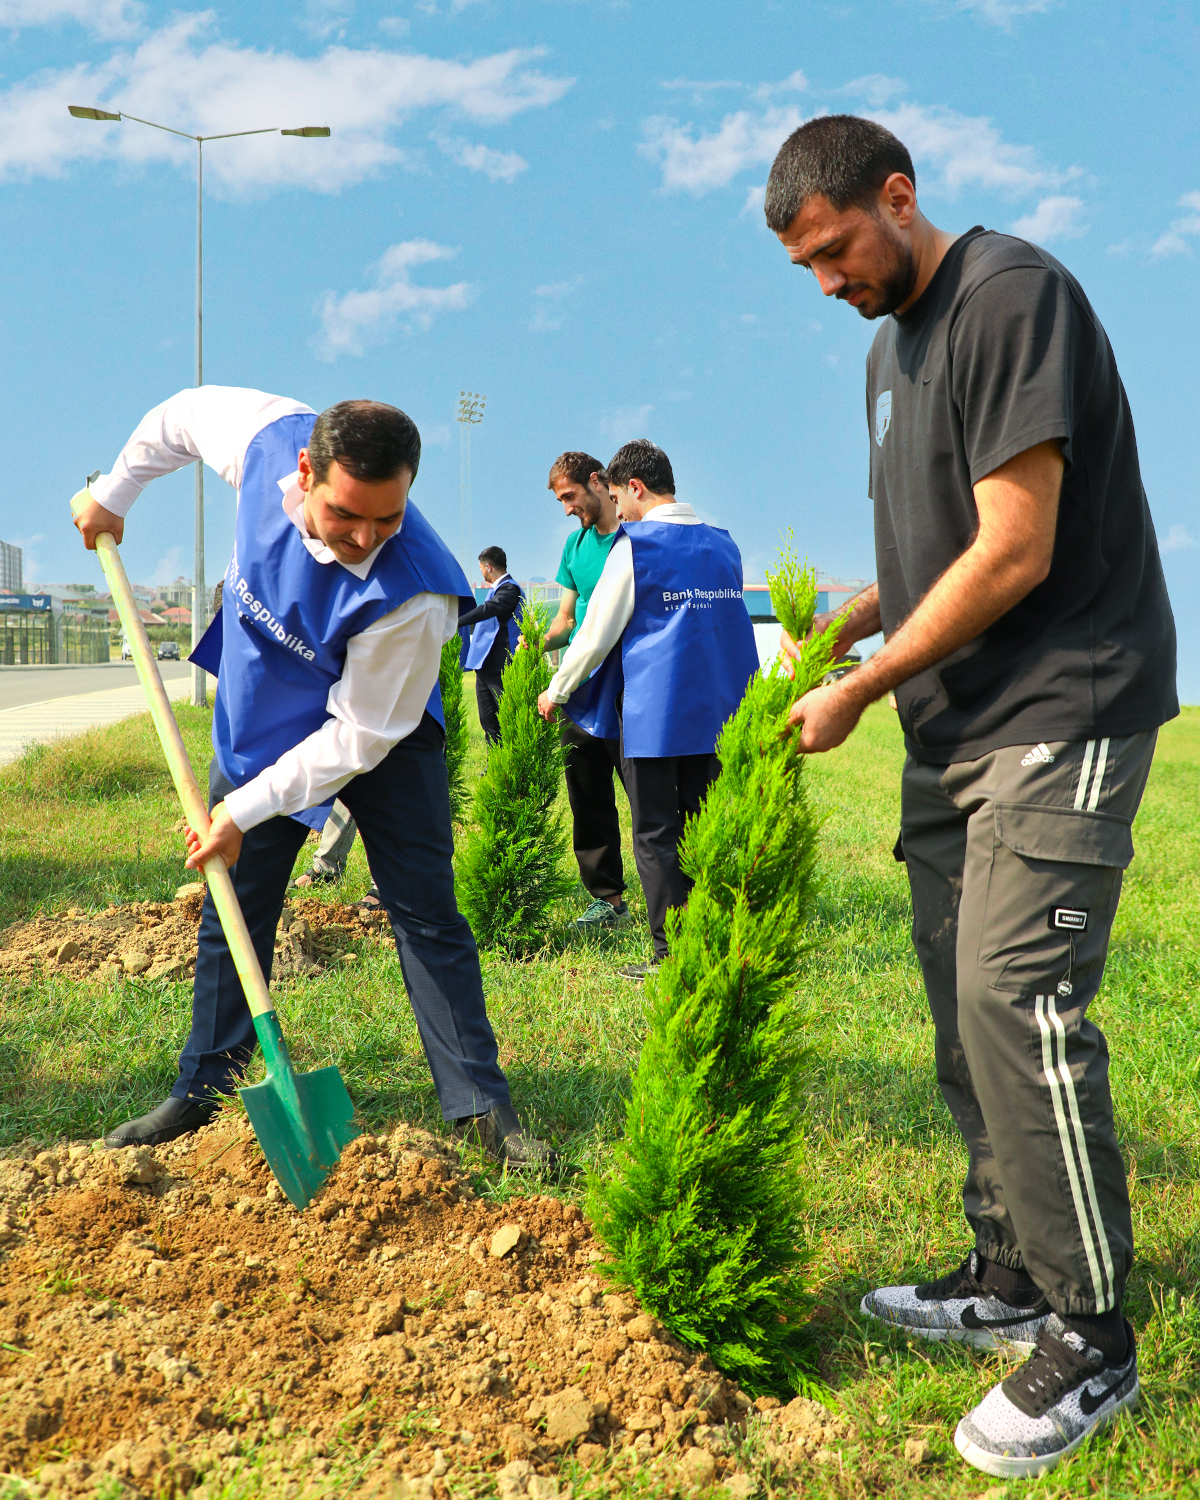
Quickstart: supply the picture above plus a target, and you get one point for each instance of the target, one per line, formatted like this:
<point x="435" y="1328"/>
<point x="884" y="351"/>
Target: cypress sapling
<point x="450" y="682"/>
<point x="701" y="1209"/>
<point x="511" y="872"/>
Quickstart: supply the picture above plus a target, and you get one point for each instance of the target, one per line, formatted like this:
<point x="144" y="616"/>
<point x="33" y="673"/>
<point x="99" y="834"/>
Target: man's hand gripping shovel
<point x="302" y="1120"/>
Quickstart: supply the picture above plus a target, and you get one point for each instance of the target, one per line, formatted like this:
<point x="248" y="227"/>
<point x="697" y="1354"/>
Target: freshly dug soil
<point x="157" y="940"/>
<point x="168" y="1323"/>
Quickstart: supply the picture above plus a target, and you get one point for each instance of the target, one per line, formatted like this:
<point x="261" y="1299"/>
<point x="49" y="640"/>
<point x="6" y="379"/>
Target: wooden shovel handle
<point x="195" y="806"/>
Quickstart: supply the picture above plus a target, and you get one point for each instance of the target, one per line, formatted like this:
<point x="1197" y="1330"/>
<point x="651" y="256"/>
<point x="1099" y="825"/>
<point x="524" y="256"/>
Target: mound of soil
<point x="157" y="940"/>
<point x="168" y="1320"/>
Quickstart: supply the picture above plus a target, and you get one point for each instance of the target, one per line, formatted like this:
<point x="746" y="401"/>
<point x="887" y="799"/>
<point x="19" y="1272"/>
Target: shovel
<point x="302" y="1120"/>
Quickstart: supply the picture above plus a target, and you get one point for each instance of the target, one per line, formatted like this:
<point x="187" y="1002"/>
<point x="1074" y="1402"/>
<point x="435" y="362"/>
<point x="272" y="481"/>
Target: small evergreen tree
<point x="458" y="734"/>
<point x="701" y="1209"/>
<point x="511" y="871"/>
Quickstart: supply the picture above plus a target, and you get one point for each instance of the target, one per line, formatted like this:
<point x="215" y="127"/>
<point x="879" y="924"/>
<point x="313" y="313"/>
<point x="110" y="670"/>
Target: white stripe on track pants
<point x="1015" y="863"/>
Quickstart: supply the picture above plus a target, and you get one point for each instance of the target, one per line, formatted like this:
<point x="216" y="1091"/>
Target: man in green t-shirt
<point x="578" y="482"/>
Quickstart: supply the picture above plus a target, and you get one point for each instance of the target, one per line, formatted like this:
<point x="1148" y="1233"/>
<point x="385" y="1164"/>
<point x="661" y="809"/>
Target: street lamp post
<point x="86" y="112"/>
<point x="470" y="413"/>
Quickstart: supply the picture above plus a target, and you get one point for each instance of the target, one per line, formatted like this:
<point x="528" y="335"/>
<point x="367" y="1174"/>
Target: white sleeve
<point x="609" y="610"/>
<point x="390" y="671"/>
<point x="214" y="423"/>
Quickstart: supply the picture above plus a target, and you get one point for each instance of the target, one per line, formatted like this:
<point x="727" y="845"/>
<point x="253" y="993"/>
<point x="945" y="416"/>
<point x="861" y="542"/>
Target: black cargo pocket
<point x="1054" y="882"/>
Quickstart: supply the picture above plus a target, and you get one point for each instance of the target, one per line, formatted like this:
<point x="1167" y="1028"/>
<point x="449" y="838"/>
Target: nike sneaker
<point x="1042" y="1412"/>
<point x="960" y="1307"/>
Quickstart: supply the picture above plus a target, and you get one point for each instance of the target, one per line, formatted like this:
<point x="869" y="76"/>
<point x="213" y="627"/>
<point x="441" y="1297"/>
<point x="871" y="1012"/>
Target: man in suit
<point x="494" y="637"/>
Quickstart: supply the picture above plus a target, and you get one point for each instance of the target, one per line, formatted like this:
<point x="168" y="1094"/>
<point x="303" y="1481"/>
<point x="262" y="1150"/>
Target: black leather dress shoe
<point x="499" y="1135"/>
<point x="172" y="1118"/>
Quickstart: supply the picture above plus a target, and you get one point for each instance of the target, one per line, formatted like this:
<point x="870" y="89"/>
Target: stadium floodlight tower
<point x="470" y="413"/>
<point x="86" y="112"/>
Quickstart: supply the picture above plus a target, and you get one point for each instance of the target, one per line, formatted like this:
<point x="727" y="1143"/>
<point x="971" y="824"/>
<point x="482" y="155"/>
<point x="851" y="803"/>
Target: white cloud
<point x="700" y="85"/>
<point x="104" y="18"/>
<point x="1179" y="539"/>
<point x="875" y="88"/>
<point x="967" y="151"/>
<point x="1003" y="12"/>
<point x="1175" y="240"/>
<point x="498" y="166"/>
<point x="1054" y="218"/>
<point x="755" y="197"/>
<point x="437" y="436"/>
<point x="355" y="319"/>
<point x="549" y="296"/>
<point x="169" y="566"/>
<point x="794" y="83"/>
<point x="395" y="25"/>
<point x="951" y="151"/>
<point x="182" y="77"/>
<point x="697" y="163"/>
<point x="626" y="423"/>
<point x="326" y="18"/>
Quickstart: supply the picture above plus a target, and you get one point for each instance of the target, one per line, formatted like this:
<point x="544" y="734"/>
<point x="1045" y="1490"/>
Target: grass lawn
<point x="93" y="820"/>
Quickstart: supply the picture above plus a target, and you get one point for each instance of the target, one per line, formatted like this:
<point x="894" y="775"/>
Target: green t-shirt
<point x="583" y="557"/>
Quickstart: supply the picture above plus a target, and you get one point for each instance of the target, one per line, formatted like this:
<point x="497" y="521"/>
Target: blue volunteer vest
<point x="484" y="634"/>
<point x="278" y="644"/>
<point x="687" y="653"/>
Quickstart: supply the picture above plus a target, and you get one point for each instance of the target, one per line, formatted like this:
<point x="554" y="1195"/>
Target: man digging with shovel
<point x="336" y="604"/>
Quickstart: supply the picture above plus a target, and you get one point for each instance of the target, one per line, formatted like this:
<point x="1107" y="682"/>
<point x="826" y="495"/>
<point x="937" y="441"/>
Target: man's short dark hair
<point x="840" y="157"/>
<point x="495" y="558"/>
<point x="370" y="440"/>
<point x="642" y="460"/>
<point x="576" y="467"/>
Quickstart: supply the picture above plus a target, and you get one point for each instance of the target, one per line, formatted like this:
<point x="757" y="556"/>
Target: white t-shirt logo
<point x="883" y="417"/>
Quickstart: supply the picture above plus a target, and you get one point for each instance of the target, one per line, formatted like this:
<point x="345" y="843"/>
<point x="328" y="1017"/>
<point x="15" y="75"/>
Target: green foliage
<point x="793" y="592"/>
<point x="458" y="733"/>
<point x="510" y="872"/>
<point x="701" y="1210"/>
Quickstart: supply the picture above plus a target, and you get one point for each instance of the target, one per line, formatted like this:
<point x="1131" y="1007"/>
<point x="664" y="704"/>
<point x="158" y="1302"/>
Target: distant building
<point x="175" y="594"/>
<point x="832" y="593"/>
<point x="11" y="574"/>
<point x="53" y="625"/>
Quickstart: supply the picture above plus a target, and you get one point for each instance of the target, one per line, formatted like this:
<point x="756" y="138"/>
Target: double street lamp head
<point x="87" y="112"/>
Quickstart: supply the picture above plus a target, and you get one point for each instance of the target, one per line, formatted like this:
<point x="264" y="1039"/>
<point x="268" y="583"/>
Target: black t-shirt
<point x="1002" y="351"/>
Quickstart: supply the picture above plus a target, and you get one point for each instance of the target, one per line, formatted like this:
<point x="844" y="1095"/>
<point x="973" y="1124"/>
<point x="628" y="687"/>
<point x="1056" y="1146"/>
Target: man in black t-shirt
<point x="1031" y="648"/>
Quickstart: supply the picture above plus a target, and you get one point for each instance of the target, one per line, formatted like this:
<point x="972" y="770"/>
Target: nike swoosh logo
<point x="926" y="379"/>
<point x="1090" y="1403"/>
<point x="969" y="1318"/>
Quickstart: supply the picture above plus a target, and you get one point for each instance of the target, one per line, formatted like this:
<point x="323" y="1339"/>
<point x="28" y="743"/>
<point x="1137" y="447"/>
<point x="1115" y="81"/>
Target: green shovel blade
<point x="302" y="1120"/>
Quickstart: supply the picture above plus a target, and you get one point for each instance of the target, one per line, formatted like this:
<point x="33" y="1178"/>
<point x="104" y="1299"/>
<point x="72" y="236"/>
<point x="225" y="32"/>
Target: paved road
<point x="20" y="685"/>
<point x="68" y="700"/>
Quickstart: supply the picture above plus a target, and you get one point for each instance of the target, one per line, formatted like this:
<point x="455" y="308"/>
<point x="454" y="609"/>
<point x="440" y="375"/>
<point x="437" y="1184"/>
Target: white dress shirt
<point x="391" y="666"/>
<point x="610" y="608"/>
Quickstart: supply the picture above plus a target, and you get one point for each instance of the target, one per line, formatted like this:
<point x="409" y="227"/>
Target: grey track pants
<point x="1015" y="863"/>
<point x="337" y="839"/>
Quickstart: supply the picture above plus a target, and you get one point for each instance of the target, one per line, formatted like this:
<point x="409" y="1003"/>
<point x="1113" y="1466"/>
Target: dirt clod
<point x="918" y="1451"/>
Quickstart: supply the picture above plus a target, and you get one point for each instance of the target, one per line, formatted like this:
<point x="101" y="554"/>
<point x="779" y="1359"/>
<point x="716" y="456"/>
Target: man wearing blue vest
<point x="668" y="627"/>
<point x="336" y="604"/>
<point x="494" y="637"/>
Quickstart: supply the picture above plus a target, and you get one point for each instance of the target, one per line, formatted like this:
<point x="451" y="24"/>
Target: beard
<point x="589" y="512"/>
<point x="899" y="273"/>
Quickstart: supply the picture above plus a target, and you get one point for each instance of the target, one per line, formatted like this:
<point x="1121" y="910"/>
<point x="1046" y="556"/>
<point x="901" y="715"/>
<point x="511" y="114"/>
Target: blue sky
<point x="558" y="204"/>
